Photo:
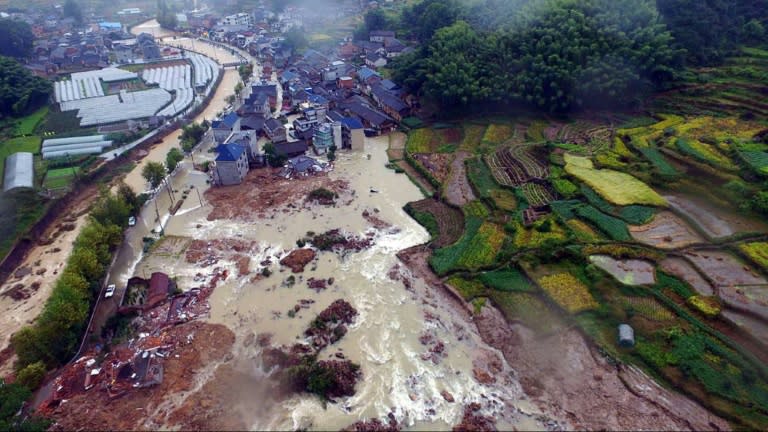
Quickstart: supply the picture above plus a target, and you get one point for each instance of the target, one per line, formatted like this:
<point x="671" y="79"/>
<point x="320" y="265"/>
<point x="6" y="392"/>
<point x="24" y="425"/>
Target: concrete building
<point x="231" y="165"/>
<point x="352" y="134"/>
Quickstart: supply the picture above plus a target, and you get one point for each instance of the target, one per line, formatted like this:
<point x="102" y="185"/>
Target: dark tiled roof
<point x="229" y="152"/>
<point x="289" y="148"/>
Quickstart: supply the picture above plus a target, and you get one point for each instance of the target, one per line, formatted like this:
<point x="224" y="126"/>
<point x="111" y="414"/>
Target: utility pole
<point x="198" y="196"/>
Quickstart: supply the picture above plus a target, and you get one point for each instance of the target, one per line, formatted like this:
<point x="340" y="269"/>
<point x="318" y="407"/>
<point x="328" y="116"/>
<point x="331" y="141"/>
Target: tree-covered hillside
<point x="557" y="55"/>
<point x="20" y="91"/>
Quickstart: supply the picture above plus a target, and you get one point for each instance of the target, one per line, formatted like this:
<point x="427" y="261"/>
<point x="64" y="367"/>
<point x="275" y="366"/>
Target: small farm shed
<point x="19" y="171"/>
<point x="626" y="336"/>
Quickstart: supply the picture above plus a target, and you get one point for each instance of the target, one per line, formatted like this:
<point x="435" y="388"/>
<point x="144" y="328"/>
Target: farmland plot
<point x="537" y="195"/>
<point x="666" y="231"/>
<point x="568" y="292"/>
<point x="450" y="221"/>
<point x="513" y="166"/>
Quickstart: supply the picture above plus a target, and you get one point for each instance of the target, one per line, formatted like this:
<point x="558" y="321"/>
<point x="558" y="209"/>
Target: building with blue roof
<point x="231" y="165"/>
<point x="367" y="76"/>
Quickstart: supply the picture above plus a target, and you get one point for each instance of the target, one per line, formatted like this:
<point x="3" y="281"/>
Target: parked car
<point x="132" y="221"/>
<point x="110" y="291"/>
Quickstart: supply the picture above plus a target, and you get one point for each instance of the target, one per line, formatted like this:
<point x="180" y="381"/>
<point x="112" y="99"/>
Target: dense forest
<point x="557" y="55"/>
<point x="20" y="91"/>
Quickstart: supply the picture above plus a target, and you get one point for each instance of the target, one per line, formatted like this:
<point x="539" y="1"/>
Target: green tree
<point x="376" y="19"/>
<point x="153" y="173"/>
<point x="192" y="134"/>
<point x="166" y="17"/>
<point x="12" y="397"/>
<point x="32" y="375"/>
<point x="295" y="39"/>
<point x="17" y="39"/>
<point x="111" y="209"/>
<point x="273" y="159"/>
<point x="332" y="153"/>
<point x="709" y="30"/>
<point x="455" y="74"/>
<point x="20" y="91"/>
<point x="424" y="18"/>
<point x="245" y="71"/>
<point x="173" y="158"/>
<point x="129" y="197"/>
<point x="72" y="9"/>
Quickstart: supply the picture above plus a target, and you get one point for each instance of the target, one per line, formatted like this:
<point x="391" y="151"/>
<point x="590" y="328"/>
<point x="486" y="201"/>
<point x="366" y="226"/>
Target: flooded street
<point x="399" y="376"/>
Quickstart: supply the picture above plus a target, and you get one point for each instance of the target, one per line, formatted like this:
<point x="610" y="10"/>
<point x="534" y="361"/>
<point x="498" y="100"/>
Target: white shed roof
<point x="19" y="171"/>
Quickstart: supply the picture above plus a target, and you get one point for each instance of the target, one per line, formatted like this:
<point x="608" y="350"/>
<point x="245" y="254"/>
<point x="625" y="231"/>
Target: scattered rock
<point x="447" y="396"/>
<point x="298" y="259"/>
<point x="473" y="421"/>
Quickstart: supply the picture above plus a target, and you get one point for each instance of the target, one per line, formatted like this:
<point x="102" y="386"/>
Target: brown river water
<point x="384" y="339"/>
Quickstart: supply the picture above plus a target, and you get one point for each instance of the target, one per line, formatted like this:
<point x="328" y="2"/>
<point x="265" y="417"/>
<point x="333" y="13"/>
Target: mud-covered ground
<point x="566" y="376"/>
<point x="165" y="405"/>
<point x="264" y="195"/>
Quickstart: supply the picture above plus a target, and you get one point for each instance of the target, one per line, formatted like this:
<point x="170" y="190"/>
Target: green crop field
<point x="59" y="177"/>
<point x="26" y="125"/>
<point x="616" y="187"/>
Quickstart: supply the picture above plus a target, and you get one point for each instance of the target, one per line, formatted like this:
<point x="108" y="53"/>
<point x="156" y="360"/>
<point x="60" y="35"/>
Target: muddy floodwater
<point x="400" y="374"/>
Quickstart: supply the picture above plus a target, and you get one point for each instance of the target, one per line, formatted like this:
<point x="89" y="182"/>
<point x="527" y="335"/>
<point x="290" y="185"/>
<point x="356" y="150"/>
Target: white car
<point x="110" y="291"/>
<point x="132" y="221"/>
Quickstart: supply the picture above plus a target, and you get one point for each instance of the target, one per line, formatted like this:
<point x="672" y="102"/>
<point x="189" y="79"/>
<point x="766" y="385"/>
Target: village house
<point x="231" y="165"/>
<point x="381" y="36"/>
<point x="275" y="130"/>
<point x="389" y="103"/>
<point x="301" y="166"/>
<point x="375" y="60"/>
<point x="352" y="134"/>
<point x="291" y="149"/>
<point x="250" y="140"/>
<point x="224" y="127"/>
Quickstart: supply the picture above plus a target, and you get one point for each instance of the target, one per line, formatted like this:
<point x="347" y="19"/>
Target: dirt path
<point x="457" y="190"/>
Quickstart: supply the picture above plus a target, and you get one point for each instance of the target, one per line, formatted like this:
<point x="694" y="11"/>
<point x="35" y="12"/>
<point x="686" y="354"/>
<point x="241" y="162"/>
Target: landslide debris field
<point x="656" y="221"/>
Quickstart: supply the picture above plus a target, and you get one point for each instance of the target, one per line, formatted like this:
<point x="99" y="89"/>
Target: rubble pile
<point x="297" y="366"/>
<point x="474" y="421"/>
<point x="264" y="193"/>
<point x="374" y="425"/>
<point x="138" y="363"/>
<point x="330" y="326"/>
<point x="335" y="240"/>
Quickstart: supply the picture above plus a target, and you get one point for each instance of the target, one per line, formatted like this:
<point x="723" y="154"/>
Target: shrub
<point x="32" y="375"/>
<point x="565" y="188"/>
<point x="757" y="252"/>
<point x="706" y="305"/>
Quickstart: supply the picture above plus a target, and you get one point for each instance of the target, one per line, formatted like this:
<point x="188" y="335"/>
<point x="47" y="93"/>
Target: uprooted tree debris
<point x="298" y="367"/>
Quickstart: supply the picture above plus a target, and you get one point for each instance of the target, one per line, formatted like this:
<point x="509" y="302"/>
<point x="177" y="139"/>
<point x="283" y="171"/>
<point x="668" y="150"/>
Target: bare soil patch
<point x="682" y="269"/>
<point x="666" y="231"/>
<point x="438" y="164"/>
<point x="713" y="221"/>
<point x="458" y="190"/>
<point x="566" y="375"/>
<point x="263" y="193"/>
